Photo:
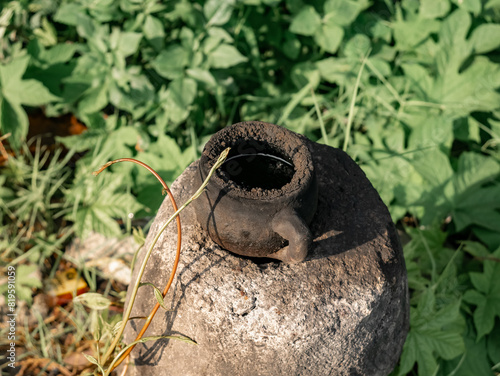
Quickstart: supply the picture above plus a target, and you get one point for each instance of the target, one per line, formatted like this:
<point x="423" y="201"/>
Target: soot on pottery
<point x="264" y="195"/>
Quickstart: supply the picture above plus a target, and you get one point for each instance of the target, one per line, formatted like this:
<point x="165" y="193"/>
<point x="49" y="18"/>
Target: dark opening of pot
<point x="257" y="167"/>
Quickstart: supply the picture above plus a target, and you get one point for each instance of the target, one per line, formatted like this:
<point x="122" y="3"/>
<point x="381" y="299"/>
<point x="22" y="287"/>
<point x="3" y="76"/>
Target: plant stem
<point x="133" y="296"/>
<point x="179" y="239"/>
<point x="353" y="102"/>
<point x="320" y="119"/>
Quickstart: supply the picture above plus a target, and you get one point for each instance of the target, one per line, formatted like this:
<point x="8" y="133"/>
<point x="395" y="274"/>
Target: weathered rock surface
<point x="343" y="311"/>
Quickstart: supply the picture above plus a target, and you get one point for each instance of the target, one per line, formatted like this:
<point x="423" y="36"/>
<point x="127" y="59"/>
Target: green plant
<point x="410" y="89"/>
<point x="97" y="302"/>
<point x="31" y="202"/>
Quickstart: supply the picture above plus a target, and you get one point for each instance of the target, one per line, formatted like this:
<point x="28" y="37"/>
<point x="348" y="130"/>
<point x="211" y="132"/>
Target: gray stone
<point x="343" y="311"/>
<point x="111" y="256"/>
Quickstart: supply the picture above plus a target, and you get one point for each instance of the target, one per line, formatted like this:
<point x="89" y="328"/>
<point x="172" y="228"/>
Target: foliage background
<point x="409" y="89"/>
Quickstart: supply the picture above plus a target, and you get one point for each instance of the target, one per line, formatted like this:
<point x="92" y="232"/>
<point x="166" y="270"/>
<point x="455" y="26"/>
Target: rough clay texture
<point x="343" y="311"/>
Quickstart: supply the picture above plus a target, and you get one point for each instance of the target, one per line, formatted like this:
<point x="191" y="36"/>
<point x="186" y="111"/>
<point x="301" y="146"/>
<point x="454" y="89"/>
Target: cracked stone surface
<point x="343" y="311"/>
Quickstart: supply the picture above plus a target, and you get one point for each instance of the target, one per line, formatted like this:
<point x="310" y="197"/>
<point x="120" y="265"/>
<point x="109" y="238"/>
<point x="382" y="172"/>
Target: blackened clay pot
<point x="262" y="199"/>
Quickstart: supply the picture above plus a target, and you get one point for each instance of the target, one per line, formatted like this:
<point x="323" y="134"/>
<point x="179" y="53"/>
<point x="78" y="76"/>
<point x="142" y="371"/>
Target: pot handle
<point x="289" y="225"/>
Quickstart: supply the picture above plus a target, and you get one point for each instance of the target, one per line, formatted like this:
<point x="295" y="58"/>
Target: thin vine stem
<point x="177" y="255"/>
<point x="133" y="296"/>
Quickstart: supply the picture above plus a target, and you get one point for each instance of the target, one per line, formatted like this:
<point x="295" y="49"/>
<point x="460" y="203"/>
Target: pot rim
<point x="292" y="145"/>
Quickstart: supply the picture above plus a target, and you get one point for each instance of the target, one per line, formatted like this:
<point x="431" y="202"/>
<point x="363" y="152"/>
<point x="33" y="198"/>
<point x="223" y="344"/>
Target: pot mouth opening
<point x="266" y="161"/>
<point x="257" y="165"/>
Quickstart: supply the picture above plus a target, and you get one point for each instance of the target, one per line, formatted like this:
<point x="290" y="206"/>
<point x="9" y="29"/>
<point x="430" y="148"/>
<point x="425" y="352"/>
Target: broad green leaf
<point x="93" y="300"/>
<point x="91" y="69"/>
<point x="306" y="22"/>
<point x="218" y="12"/>
<point x="121" y="142"/>
<point x="28" y="92"/>
<point x="386" y="174"/>
<point x="472" y="90"/>
<point x="430" y="130"/>
<point x="154" y="32"/>
<point x="89" y="28"/>
<point x="60" y="53"/>
<point x="344" y="12"/>
<point x="433" y="333"/>
<point x="436" y="189"/>
<point x="87" y="220"/>
<point x="328" y="37"/>
<point x="176" y="101"/>
<point x="291" y="47"/>
<point x="97" y="202"/>
<point x="409" y="34"/>
<point x="11" y="73"/>
<point x="210" y="44"/>
<point x="220" y="34"/>
<point x="485" y="38"/>
<point x="427" y="247"/>
<point x="380" y="30"/>
<point x="27" y="277"/>
<point x="476" y="358"/>
<point x="183" y="92"/>
<point x="303" y="74"/>
<point x="226" y="56"/>
<point x="357" y="47"/>
<point x="108" y="10"/>
<point x="120" y="99"/>
<point x="384" y="135"/>
<point x="462" y="89"/>
<point x="85" y="141"/>
<point x="488" y="237"/>
<point x="149" y="192"/>
<point x="187" y="39"/>
<point x="128" y="43"/>
<point x="170" y="63"/>
<point x="336" y="70"/>
<point x="476" y="249"/>
<point x="473" y="362"/>
<point x="434" y="8"/>
<point x="255" y="58"/>
<point x="165" y="156"/>
<point x="465" y="215"/>
<point x="493" y="344"/>
<point x="419" y="78"/>
<point x="472" y="203"/>
<point x="135" y="90"/>
<point x="486" y="296"/>
<point x="454" y="28"/>
<point x="378" y="67"/>
<point x="203" y="76"/>
<point x="13" y="119"/>
<point x="453" y="48"/>
<point x="434" y="166"/>
<point x="474" y="169"/>
<point x="473" y="6"/>
<point x="467" y="129"/>
<point x="70" y="14"/>
<point x="94" y="99"/>
<point x="458" y="194"/>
